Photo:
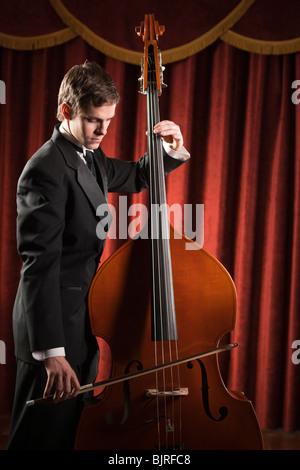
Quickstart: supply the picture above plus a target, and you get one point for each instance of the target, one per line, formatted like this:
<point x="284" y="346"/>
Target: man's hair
<point x="84" y="85"/>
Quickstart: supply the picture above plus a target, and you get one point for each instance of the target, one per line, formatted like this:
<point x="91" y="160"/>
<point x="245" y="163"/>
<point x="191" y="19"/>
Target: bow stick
<point x="133" y="375"/>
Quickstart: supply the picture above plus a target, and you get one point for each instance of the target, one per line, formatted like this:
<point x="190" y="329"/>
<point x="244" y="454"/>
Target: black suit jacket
<point x="57" y="199"/>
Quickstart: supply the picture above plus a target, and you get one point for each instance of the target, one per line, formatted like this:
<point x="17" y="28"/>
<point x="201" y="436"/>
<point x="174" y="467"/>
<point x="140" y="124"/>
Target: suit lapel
<point x="100" y="168"/>
<point x="84" y="177"/>
<point x="89" y="185"/>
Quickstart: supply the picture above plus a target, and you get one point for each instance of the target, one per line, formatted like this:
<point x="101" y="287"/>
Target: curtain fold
<point x="242" y="130"/>
<point x="251" y="25"/>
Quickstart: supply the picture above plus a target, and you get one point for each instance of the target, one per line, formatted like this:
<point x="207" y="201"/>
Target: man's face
<point x="90" y="126"/>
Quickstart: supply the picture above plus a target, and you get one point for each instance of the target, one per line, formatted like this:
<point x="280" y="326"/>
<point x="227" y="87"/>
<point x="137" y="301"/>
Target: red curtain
<point x="242" y="130"/>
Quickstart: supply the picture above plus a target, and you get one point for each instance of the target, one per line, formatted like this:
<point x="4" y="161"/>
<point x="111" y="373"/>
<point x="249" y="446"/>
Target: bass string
<point x="163" y="296"/>
<point x="152" y="190"/>
<point x="163" y="281"/>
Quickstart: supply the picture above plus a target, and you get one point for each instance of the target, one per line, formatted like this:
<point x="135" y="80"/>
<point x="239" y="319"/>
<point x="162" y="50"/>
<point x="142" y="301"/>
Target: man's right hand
<point x="63" y="377"/>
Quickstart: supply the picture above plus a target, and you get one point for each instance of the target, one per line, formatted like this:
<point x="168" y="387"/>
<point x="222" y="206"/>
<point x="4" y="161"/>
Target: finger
<point x="71" y="385"/>
<point x="165" y="126"/>
<point x="75" y="387"/>
<point x="66" y="387"/>
<point x="49" y="385"/>
<point x="164" y="123"/>
<point x="171" y="131"/>
<point x="168" y="128"/>
<point x="59" y="388"/>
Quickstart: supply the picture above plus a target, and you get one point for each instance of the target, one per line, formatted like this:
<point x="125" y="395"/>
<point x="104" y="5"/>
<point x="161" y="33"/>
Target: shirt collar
<point x="72" y="139"/>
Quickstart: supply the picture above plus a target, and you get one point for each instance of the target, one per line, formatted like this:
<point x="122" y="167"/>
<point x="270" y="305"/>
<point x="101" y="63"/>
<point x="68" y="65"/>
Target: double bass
<point x="151" y="398"/>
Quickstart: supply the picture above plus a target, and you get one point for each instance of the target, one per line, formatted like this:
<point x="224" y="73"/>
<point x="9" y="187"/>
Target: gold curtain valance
<point x="222" y="30"/>
<point x="168" y="56"/>
<point x="240" y="41"/>
<point x="36" y="42"/>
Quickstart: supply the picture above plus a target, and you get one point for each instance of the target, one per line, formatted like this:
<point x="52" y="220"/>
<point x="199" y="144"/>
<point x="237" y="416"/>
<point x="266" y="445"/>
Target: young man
<point x="57" y="197"/>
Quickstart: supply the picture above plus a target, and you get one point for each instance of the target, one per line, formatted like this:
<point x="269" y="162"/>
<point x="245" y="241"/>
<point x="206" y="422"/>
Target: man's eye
<point x="91" y="120"/>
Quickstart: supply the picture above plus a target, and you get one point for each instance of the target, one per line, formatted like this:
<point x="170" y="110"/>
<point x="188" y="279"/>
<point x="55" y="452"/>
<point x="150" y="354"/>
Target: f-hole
<point x="126" y="393"/>
<point x="223" y="411"/>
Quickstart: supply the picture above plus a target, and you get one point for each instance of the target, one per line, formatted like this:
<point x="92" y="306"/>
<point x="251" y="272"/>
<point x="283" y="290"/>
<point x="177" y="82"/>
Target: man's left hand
<point x="170" y="133"/>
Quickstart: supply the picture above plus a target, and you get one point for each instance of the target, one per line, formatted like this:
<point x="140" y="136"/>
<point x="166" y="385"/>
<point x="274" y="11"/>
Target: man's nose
<point x="101" y="129"/>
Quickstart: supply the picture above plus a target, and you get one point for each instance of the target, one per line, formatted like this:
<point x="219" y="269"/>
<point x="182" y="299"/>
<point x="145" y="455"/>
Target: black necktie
<point x="89" y="158"/>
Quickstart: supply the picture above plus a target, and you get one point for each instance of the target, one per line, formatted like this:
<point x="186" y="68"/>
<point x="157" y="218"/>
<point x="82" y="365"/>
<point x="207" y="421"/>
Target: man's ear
<point x="66" y="111"/>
